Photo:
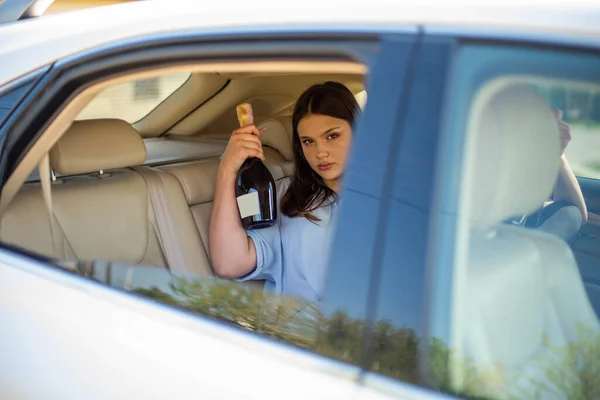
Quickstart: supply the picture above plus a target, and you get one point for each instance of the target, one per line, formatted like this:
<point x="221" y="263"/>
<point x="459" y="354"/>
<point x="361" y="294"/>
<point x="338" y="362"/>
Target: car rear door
<point x="73" y="338"/>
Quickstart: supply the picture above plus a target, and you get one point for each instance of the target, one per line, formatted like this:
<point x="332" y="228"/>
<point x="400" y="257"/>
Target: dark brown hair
<point x="307" y="191"/>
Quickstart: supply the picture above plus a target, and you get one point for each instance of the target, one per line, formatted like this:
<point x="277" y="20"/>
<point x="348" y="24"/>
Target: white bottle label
<point x="248" y="204"/>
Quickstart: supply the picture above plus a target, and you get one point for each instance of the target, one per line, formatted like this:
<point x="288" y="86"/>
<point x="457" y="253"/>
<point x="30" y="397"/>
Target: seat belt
<point x="167" y="233"/>
<point x="45" y="179"/>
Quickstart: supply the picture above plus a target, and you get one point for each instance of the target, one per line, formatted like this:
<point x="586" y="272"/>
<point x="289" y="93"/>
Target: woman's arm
<point x="232" y="252"/>
<point x="567" y="188"/>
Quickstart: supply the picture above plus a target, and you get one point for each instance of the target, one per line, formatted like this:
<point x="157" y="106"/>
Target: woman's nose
<point x="322" y="151"/>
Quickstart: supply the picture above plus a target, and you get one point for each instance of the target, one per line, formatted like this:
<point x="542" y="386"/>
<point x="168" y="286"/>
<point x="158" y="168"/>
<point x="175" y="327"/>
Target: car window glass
<point x="133" y="100"/>
<point x="521" y="318"/>
<point x="581" y="110"/>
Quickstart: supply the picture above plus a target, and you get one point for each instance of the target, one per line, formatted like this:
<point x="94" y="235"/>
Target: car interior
<point x="172" y="125"/>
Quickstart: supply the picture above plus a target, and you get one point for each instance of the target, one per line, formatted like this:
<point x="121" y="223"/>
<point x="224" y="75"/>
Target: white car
<point x="112" y="121"/>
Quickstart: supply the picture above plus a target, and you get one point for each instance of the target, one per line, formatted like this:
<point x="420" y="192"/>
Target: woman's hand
<point x="244" y="143"/>
<point x="565" y="131"/>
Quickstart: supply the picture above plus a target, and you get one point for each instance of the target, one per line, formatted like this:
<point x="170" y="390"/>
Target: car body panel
<point x="119" y="346"/>
<point x="38" y="43"/>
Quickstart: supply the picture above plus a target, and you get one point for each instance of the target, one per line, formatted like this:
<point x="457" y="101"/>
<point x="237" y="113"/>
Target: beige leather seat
<point x="102" y="208"/>
<point x="106" y="215"/>
<point x="517" y="291"/>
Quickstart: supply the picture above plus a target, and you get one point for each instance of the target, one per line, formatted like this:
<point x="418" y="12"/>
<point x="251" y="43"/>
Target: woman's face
<point x="325" y="142"/>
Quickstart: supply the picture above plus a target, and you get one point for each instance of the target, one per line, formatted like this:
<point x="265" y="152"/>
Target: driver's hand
<point x="565" y="131"/>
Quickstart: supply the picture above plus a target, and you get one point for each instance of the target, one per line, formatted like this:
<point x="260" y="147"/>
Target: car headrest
<point x="278" y="135"/>
<point x="97" y="144"/>
<point x="513" y="152"/>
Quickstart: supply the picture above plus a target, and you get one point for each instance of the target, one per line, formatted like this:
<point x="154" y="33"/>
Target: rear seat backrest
<point x="104" y="216"/>
<point x="197" y="180"/>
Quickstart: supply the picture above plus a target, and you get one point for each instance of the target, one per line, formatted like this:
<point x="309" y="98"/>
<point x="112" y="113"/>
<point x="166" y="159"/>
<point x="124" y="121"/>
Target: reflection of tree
<point x="158" y="294"/>
<point x="395" y="351"/>
<point x="340" y="337"/>
<point x="571" y="371"/>
<point x="288" y="319"/>
<point x="475" y="383"/>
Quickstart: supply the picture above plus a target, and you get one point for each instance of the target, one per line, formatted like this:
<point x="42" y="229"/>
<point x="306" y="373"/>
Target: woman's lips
<point x="325" y="166"/>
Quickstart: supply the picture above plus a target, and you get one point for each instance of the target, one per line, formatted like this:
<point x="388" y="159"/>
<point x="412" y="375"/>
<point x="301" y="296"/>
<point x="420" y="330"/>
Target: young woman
<point x="291" y="255"/>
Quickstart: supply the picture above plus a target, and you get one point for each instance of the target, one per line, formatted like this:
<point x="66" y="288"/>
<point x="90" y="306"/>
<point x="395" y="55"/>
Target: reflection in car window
<point x="133" y="100"/>
<point x="400" y="316"/>
<point x="244" y="306"/>
<point x="519" y="319"/>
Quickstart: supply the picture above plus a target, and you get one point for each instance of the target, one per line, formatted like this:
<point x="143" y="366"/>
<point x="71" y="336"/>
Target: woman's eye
<point x="333" y="136"/>
<point x="306" y="142"/>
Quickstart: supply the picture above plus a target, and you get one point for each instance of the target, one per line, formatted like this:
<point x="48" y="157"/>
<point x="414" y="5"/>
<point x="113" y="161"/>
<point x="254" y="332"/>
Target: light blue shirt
<point x="291" y="256"/>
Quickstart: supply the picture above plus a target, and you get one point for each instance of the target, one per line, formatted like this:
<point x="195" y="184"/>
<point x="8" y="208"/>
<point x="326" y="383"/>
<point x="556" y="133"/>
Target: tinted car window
<point x="514" y="315"/>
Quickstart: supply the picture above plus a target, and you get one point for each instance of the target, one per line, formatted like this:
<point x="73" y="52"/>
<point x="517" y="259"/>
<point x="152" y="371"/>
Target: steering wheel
<point x="560" y="218"/>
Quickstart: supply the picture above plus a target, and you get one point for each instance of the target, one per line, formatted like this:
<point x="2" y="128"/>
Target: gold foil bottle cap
<point x="244" y="114"/>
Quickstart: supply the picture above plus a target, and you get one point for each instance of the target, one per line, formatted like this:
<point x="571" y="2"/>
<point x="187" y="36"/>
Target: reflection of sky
<point x="402" y="280"/>
<point x="401" y="284"/>
<point x="349" y="273"/>
<point x="402" y="277"/>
